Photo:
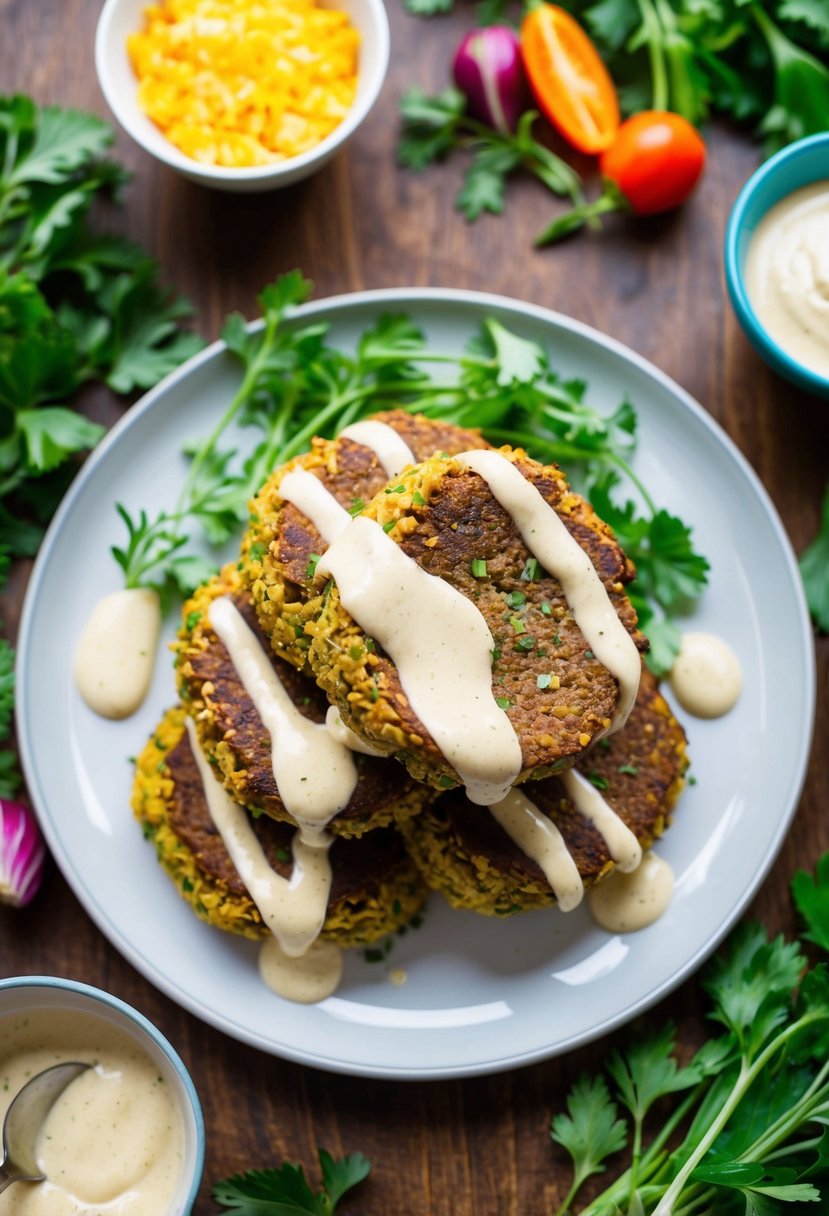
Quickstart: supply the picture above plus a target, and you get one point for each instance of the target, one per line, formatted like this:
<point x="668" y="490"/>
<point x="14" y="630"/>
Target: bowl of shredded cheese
<point x="242" y="95"/>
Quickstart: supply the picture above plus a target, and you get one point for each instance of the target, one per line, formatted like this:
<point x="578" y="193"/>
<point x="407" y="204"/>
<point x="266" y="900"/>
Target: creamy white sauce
<point x="787" y="275"/>
<point x="706" y="675"/>
<point x="113" y="1139"/>
<point x="346" y="736"/>
<point x="312" y="977"/>
<point x="623" y="903"/>
<point x="442" y="648"/>
<point x="315" y="775"/>
<point x="292" y="908"/>
<point x="309" y="495"/>
<point x="540" y="839"/>
<point x="548" y="540"/>
<point x="394" y="455"/>
<point x="115" y="655"/>
<point x="622" y="845"/>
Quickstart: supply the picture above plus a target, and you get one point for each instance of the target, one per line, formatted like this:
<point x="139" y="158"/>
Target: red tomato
<point x="570" y="83"/>
<point x="656" y="160"/>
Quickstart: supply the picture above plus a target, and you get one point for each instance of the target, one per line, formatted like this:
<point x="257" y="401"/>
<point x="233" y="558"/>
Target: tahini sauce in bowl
<point x="787" y="275"/>
<point x="119" y="1138"/>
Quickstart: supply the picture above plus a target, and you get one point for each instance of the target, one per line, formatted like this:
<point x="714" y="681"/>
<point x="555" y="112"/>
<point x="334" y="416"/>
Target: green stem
<point x="656" y="54"/>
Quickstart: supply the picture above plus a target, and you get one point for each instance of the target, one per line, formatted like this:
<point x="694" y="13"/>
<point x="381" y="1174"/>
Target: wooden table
<point x="476" y="1146"/>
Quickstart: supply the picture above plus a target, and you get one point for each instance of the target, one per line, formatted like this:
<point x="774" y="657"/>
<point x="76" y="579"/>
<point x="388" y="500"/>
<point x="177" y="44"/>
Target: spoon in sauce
<point x="24" y="1119"/>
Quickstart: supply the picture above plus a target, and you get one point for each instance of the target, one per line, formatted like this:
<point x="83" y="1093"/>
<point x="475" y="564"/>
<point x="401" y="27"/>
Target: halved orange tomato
<point x="570" y="82"/>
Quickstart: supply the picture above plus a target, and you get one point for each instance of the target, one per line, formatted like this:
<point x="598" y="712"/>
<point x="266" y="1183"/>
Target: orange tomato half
<point x="572" y="86"/>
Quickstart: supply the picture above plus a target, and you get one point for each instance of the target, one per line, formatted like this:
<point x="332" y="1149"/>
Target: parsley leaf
<point x="6" y="686"/>
<point x="590" y="1131"/>
<point x="433" y="127"/>
<point x="811" y="896"/>
<point x="814" y="570"/>
<point x="285" y="1191"/>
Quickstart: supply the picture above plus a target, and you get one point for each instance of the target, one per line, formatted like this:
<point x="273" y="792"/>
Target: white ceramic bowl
<point x="120" y="18"/>
<point x="28" y="993"/>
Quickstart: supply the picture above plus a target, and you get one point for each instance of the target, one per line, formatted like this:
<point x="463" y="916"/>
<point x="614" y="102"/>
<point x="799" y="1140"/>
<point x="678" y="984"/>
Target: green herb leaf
<point x="814" y="570"/>
<point x="811" y="896"/>
<point x="590" y="1131"/>
<point x="285" y="1191"/>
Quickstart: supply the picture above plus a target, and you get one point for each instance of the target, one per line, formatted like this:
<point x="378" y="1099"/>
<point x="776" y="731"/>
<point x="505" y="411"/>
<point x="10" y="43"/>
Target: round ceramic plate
<point x="480" y="994"/>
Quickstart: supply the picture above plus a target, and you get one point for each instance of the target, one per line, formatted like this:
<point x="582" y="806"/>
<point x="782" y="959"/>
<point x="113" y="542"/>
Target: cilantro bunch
<point x="743" y="1127"/>
<point x="296" y="385"/>
<point x="75" y="307"/>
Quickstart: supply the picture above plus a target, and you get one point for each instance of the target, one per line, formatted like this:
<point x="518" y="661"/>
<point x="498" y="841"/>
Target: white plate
<point x="480" y="994"/>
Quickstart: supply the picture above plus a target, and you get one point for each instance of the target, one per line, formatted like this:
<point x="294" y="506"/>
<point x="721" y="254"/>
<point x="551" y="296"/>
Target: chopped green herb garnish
<point x="374" y="693"/>
<point x="526" y="643"/>
<point x="543" y="681"/>
<point x="478" y="567"/>
<point x="356" y="507"/>
<point x="192" y="619"/>
<point x="355" y="653"/>
<point x="601" y="783"/>
<point x="629" y="769"/>
<point x="387" y="527"/>
<point x="516" y="599"/>
<point x="545" y="608"/>
<point x="556" y="639"/>
<point x="283" y="855"/>
<point x="503" y="702"/>
<point x="588" y="654"/>
<point x="447" y="783"/>
<point x="418" y="499"/>
<point x="496" y="654"/>
<point x="532" y="570"/>
<point x="517" y="624"/>
<point x="257" y="551"/>
<point x="370" y="646"/>
<point x="313" y="561"/>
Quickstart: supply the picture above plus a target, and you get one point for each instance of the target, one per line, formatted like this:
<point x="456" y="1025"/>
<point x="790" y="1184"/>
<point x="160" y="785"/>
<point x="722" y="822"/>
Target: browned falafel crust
<point x="448" y="521"/>
<point x="280" y="543"/>
<point x="465" y="853"/>
<point x="375" y="888"/>
<point x="234" y="738"/>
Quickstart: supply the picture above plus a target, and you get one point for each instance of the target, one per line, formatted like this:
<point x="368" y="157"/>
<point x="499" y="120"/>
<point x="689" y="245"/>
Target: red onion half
<point x="22" y="854"/>
<point x="488" y="69"/>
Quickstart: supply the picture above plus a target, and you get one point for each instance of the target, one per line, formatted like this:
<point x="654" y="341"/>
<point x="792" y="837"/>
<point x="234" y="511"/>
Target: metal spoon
<point x="25" y="1118"/>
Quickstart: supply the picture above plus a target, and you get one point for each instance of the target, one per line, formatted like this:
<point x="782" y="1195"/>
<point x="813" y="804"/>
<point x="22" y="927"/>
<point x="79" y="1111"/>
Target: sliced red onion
<point x="488" y="69"/>
<point x="22" y="854"/>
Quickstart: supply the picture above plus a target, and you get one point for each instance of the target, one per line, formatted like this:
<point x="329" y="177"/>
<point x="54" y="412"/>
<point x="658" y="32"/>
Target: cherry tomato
<point x="655" y="160"/>
<point x="570" y="83"/>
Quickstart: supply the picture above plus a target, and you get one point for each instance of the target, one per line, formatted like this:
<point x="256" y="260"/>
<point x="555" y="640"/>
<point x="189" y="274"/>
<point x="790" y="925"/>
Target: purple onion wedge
<point x="22" y="854"/>
<point x="488" y="69"/>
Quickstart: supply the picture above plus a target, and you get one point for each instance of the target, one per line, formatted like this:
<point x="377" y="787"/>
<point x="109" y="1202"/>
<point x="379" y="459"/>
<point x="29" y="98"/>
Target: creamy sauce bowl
<point x="128" y="1135"/>
<point x="795" y="168"/>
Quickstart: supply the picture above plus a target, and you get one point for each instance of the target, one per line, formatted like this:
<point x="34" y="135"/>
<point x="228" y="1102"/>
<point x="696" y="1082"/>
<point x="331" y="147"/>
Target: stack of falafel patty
<point x="408" y="825"/>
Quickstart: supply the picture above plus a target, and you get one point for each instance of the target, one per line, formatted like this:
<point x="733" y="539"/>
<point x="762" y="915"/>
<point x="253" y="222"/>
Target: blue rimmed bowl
<point x="800" y="164"/>
<point x="35" y="993"/>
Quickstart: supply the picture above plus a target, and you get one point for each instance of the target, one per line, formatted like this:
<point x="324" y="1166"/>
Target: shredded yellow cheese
<point x="245" y="82"/>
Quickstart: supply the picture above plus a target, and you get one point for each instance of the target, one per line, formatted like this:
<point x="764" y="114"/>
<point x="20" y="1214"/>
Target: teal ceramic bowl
<point x="800" y="164"/>
<point x="29" y="993"/>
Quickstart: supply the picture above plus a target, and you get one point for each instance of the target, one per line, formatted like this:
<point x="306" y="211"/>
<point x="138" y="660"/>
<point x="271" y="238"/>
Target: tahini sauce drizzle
<point x="293" y="909"/>
<point x="115" y="655"/>
<point x="309" y="495"/>
<point x="345" y="735"/>
<point x="548" y="540"/>
<point x="113" y="1140"/>
<point x="706" y="675"/>
<point x="623" y="903"/>
<point x="394" y="455"/>
<point x="622" y="845"/>
<point x="442" y="648"/>
<point x="540" y="839"/>
<point x="315" y="775"/>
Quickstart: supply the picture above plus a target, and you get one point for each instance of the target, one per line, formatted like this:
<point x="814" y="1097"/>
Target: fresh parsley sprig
<point x="296" y="385"/>
<point x="814" y="570"/>
<point x="754" y="1116"/>
<point x="433" y="127"/>
<point x="285" y="1191"/>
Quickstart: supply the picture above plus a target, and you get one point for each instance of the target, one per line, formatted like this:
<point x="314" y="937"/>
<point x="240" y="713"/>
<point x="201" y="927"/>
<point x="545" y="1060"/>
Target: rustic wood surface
<point x="478" y="1146"/>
